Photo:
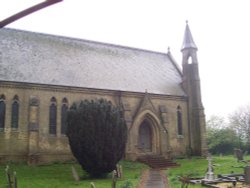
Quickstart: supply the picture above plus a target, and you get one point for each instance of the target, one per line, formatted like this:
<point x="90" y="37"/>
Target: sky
<point x="220" y="28"/>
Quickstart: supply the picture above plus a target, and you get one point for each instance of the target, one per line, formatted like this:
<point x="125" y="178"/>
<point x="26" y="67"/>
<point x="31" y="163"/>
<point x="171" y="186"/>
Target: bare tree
<point x="216" y="122"/>
<point x="240" y="122"/>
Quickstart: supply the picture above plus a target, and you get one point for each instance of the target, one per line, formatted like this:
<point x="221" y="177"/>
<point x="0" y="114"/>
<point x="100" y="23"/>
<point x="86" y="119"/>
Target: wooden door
<point x="145" y="136"/>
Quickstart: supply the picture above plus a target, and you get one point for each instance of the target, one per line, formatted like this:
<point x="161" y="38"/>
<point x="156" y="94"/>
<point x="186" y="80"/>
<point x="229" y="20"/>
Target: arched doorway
<point x="145" y="136"/>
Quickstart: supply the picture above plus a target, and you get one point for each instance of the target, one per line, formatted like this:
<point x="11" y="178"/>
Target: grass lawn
<point x="196" y="167"/>
<point x="60" y="176"/>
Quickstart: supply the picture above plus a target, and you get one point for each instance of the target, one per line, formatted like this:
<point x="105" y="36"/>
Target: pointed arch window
<point x="179" y="121"/>
<point x="64" y="110"/>
<point x="2" y="112"/>
<point x="15" y="112"/>
<point x="52" y="116"/>
<point x="190" y="60"/>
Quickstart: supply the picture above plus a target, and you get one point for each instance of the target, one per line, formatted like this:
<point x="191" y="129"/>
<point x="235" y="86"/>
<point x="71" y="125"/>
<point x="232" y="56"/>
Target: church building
<point x="42" y="75"/>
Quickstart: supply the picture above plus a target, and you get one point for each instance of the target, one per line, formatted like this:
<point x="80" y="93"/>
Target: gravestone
<point x="11" y="178"/>
<point x="75" y="174"/>
<point x="247" y="174"/>
<point x="15" y="180"/>
<point x="114" y="175"/>
<point x="7" y="172"/>
<point x="92" y="185"/>
<point x="245" y="153"/>
<point x="238" y="154"/>
<point x="119" y="171"/>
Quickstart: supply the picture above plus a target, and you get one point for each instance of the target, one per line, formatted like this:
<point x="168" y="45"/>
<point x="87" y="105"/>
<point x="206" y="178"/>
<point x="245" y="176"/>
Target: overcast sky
<point x="220" y="28"/>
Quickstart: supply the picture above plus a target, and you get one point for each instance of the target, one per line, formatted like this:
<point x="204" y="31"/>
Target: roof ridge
<point x="85" y="40"/>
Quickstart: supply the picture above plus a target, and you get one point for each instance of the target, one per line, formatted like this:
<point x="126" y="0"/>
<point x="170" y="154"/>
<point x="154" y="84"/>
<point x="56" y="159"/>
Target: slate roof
<point x="188" y="41"/>
<point x="47" y="59"/>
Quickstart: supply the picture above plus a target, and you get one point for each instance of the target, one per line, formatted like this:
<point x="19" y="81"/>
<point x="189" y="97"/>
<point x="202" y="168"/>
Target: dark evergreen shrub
<point x="97" y="135"/>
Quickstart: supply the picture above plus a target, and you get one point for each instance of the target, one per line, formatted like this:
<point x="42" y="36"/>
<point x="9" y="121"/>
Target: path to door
<point x="153" y="178"/>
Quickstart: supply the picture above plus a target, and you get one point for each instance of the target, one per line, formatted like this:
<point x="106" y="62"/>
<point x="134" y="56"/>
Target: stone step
<point x="157" y="161"/>
<point x="155" y="179"/>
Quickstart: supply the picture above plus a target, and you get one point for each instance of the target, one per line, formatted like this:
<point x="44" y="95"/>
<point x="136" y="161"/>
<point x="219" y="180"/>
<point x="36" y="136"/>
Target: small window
<point x="15" y="113"/>
<point x="2" y="112"/>
<point x="64" y="110"/>
<point x="52" y="116"/>
<point x="190" y="60"/>
<point x="179" y="121"/>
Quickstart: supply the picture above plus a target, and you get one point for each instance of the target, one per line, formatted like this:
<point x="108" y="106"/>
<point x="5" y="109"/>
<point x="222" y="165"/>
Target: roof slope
<point x="47" y="59"/>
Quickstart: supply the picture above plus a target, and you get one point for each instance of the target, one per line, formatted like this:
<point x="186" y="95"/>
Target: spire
<point x="188" y="41"/>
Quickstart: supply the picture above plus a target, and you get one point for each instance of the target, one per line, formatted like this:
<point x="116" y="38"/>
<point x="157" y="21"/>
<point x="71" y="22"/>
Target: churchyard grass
<point x="60" y="176"/>
<point x="196" y="167"/>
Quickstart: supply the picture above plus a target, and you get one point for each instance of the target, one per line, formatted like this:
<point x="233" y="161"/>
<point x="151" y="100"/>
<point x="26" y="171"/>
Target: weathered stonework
<point x="33" y="141"/>
<point x="146" y="84"/>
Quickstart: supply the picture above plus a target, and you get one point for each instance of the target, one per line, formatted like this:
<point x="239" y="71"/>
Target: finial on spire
<point x="188" y="41"/>
<point x="168" y="49"/>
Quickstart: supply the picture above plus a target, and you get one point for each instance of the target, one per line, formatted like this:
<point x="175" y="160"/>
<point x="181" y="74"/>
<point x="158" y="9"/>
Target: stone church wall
<point x="32" y="142"/>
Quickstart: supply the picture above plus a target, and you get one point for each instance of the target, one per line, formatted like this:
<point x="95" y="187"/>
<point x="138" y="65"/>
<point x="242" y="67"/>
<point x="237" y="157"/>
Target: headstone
<point x="75" y="174"/>
<point x="11" y="178"/>
<point x="247" y="174"/>
<point x="118" y="175"/>
<point x="119" y="171"/>
<point x="238" y="154"/>
<point x="7" y="172"/>
<point x="245" y="153"/>
<point x="114" y="175"/>
<point x="15" y="179"/>
<point x="92" y="185"/>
